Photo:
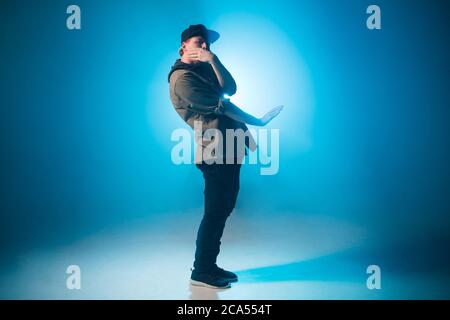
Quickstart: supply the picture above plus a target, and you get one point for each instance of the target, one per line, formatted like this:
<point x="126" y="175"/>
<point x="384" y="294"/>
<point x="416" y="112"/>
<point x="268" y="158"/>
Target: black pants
<point x="220" y="194"/>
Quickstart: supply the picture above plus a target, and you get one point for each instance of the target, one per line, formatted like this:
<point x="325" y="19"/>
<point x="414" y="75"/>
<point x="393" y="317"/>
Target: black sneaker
<point x="227" y="275"/>
<point x="209" y="280"/>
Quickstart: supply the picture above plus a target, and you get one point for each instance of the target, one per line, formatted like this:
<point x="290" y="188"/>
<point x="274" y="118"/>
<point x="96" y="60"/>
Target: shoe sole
<point x="204" y="284"/>
<point x="230" y="279"/>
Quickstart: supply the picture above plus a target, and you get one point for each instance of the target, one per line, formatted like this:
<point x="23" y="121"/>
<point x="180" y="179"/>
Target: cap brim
<point x="213" y="36"/>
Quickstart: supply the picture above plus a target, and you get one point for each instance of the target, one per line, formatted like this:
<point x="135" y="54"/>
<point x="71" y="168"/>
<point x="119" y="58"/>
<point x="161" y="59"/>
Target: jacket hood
<point x="178" y="65"/>
<point x="199" y="68"/>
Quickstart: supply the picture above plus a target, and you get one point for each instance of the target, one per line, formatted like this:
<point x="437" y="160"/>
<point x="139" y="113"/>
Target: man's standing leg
<point x="220" y="194"/>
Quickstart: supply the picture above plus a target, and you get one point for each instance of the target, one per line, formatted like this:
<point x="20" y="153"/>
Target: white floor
<point x="283" y="256"/>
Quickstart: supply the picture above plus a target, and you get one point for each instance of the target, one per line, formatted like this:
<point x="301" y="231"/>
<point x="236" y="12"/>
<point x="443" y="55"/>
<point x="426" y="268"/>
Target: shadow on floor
<point x="334" y="267"/>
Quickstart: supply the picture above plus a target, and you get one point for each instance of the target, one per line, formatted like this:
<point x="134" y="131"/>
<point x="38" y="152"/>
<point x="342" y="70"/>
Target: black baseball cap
<point x="194" y="30"/>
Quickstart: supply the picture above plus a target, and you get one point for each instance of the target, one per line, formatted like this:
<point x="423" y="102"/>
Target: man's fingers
<point x="275" y="111"/>
<point x="279" y="108"/>
<point x="193" y="54"/>
<point x="193" y="50"/>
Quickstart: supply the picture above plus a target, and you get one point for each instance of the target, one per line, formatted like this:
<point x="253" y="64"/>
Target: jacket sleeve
<point x="199" y="97"/>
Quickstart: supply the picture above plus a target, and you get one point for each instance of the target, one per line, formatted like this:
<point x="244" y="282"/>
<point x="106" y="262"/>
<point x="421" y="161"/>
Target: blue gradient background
<point x="86" y="118"/>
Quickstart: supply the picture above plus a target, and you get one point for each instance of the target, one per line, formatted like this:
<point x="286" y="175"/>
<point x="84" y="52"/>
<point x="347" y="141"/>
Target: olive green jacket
<point x="198" y="97"/>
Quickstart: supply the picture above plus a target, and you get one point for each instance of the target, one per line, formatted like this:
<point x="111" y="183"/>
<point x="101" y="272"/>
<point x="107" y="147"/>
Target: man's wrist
<point x="213" y="59"/>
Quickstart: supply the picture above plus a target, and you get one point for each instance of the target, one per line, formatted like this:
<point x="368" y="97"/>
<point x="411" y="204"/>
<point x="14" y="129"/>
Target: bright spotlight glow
<point x="269" y="71"/>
